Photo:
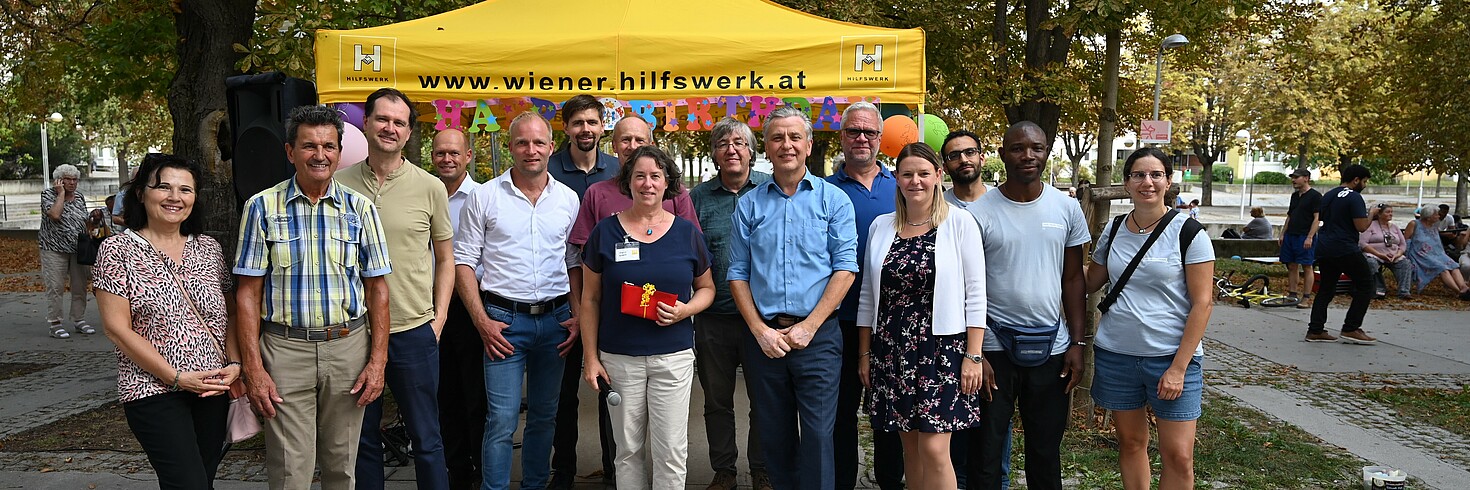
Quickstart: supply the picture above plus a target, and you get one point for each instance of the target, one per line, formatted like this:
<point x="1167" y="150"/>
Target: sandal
<point x="83" y="327"/>
<point x="59" y="332"/>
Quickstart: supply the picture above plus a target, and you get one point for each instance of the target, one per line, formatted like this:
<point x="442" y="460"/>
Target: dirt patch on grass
<point x="104" y="429"/>
<point x="17" y="369"/>
<point x="18" y="256"/>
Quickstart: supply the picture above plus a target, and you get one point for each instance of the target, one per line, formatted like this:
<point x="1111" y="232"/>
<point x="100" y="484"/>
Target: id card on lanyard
<point x="626" y="251"/>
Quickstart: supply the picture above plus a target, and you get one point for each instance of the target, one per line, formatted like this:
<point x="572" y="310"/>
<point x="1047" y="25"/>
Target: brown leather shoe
<point x="724" y="480"/>
<point x="1357" y="337"/>
<point x="1322" y="336"/>
<point x="760" y="481"/>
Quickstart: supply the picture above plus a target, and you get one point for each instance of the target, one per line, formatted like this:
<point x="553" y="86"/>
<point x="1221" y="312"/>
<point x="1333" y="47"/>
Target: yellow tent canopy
<point x="652" y="56"/>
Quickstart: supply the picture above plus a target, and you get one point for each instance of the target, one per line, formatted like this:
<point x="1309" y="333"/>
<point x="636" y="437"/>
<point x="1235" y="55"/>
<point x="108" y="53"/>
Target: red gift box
<point x="641" y="301"/>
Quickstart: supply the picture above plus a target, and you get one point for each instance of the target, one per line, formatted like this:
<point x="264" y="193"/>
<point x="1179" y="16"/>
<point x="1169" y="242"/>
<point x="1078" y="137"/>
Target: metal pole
<point x="1245" y="154"/>
<point x="1158" y="81"/>
<point x="45" y="157"/>
<point x="1252" y="183"/>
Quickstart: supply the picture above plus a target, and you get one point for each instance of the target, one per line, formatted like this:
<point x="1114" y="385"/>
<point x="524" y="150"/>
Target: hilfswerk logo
<point x="367" y="61"/>
<point x="865" y="59"/>
<point x="371" y="60"/>
<point x="868" y="62"/>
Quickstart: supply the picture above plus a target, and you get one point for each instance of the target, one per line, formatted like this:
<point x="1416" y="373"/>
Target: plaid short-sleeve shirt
<point x="313" y="256"/>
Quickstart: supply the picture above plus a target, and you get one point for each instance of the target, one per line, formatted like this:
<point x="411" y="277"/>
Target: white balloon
<point x="354" y="146"/>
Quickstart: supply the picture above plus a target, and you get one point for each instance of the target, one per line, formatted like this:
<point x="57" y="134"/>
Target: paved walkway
<point x="1254" y="355"/>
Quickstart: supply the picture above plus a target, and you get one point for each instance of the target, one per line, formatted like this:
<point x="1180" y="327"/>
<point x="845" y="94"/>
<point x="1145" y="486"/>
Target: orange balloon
<point x="898" y="131"/>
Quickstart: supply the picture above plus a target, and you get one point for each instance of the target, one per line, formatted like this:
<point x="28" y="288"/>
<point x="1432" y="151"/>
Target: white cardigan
<point x="959" y="278"/>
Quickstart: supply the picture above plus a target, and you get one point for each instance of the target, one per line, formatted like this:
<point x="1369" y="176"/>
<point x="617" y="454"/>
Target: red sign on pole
<point x="1154" y="132"/>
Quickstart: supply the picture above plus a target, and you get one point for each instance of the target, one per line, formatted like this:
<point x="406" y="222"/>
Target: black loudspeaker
<point x="259" y="107"/>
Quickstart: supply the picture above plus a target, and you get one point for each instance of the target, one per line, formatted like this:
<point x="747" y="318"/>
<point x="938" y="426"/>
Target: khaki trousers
<point x="319" y="422"/>
<point x="651" y="425"/>
<point x="56" y="270"/>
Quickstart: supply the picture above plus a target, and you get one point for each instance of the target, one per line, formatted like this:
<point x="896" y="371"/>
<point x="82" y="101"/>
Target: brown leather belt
<point x="324" y="334"/>
<point x="783" y="320"/>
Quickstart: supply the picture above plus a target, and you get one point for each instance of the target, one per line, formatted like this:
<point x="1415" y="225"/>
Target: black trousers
<point x="461" y="397"/>
<point x="1356" y="267"/>
<point x="1041" y="395"/>
<point x="564" y="440"/>
<point x="183" y="435"/>
<point x="887" y="447"/>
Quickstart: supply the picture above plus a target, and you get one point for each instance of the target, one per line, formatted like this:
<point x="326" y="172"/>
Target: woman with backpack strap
<point x="1148" y="341"/>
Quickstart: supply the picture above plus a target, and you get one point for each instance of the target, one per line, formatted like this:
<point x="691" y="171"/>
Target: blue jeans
<point x="412" y="374"/>
<point x="795" y="400"/>
<point x="535" y="363"/>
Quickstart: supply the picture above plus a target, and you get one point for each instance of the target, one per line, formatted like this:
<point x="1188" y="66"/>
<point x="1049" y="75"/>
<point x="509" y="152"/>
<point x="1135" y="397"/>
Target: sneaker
<point x="1380" y="294"/>
<point x="1465" y="295"/>
<point x="724" y="480"/>
<point x="1322" y="336"/>
<point x="1405" y="296"/>
<point x="760" y="481"/>
<point x="1358" y="337"/>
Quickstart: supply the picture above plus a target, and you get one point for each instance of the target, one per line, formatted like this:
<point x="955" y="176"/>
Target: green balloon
<point x="934" y="132"/>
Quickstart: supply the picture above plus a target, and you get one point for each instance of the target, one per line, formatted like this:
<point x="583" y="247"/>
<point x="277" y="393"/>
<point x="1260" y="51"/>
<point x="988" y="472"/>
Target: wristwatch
<point x="978" y="358"/>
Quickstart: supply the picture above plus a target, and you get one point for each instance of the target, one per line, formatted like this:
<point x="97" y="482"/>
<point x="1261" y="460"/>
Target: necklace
<point x="1141" y="228"/>
<point x="921" y="223"/>
<point x="648" y="230"/>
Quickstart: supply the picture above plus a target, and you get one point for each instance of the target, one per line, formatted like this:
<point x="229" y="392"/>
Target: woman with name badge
<point x="921" y="321"/>
<point x="645" y="274"/>
<point x="160" y="287"/>
<point x="1148" y="351"/>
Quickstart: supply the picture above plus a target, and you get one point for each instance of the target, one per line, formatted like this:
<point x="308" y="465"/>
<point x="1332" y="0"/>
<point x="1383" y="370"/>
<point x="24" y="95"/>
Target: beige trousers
<point x="651" y="426"/>
<point x="56" y="270"/>
<point x="319" y="422"/>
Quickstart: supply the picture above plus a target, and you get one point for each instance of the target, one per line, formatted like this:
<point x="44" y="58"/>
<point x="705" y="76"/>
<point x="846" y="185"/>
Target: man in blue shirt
<point x="870" y="187"/>
<point x="1344" y="216"/>
<point x="578" y="166"/>
<point x="721" y="336"/>
<point x="793" y="255"/>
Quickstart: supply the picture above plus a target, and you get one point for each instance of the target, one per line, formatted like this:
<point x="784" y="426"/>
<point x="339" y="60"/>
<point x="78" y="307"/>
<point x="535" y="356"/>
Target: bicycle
<point x="1254" y="290"/>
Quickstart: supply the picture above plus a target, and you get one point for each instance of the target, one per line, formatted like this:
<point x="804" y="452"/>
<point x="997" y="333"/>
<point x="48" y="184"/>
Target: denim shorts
<point x="1294" y="251"/>
<point x="1122" y="382"/>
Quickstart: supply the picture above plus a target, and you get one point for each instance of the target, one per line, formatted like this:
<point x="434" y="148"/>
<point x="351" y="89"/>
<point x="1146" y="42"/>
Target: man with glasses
<point x="963" y="161"/>
<point x="721" y="338"/>
<point x="871" y="189"/>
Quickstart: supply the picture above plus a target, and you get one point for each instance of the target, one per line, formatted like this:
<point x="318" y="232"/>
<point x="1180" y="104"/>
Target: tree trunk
<point x="207" y="30"/>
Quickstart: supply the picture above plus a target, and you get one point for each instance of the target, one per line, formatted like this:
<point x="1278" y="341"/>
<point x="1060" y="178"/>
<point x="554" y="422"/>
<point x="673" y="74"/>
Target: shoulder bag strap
<point x="190" y="299"/>
<point x="1117" y="289"/>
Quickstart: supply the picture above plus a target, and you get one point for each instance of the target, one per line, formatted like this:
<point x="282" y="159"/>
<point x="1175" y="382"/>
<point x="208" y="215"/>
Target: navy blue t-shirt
<point x="1338" y="236"/>
<point x="670" y="263"/>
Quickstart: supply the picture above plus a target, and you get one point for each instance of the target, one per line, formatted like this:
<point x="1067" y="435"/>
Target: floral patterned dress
<point x="915" y="375"/>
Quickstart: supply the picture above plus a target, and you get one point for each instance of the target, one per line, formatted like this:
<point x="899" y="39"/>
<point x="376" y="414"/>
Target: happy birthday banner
<point x="691" y="114"/>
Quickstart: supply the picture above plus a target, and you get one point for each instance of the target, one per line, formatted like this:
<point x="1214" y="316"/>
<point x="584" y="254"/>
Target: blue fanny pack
<point x="1026" y="346"/>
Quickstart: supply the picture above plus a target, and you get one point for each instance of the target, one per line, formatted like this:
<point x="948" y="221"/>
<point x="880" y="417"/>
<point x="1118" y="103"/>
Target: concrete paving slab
<point x="1377" y="446"/>
<point x="1410" y="342"/>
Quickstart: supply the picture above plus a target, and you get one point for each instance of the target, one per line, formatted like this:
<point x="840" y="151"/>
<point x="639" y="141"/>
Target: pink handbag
<point x="241" y="423"/>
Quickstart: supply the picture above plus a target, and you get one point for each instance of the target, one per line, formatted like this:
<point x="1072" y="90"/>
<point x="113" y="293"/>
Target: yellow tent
<point x="678" y="58"/>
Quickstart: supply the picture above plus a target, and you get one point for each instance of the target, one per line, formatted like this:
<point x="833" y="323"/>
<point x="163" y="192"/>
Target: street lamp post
<point x="1245" y="155"/>
<point x="1173" y="41"/>
<point x="45" y="150"/>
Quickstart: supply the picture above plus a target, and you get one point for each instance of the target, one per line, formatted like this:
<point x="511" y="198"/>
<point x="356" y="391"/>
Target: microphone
<point x="613" y="398"/>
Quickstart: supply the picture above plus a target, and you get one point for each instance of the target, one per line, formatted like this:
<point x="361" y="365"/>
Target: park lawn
<point x="1236" y="447"/>
<point x="1447" y="409"/>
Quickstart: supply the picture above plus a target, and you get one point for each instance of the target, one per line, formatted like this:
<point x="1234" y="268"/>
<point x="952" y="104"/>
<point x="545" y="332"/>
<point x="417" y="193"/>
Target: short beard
<point x="589" y="147"/>
<point x="961" y="179"/>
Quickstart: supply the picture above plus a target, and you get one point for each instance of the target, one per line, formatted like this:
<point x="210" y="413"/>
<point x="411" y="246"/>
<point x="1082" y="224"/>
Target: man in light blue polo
<point x="793" y="255"/>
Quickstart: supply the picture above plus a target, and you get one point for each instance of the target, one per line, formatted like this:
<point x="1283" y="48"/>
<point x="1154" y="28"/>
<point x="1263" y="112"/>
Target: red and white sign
<point x="1154" y="132"/>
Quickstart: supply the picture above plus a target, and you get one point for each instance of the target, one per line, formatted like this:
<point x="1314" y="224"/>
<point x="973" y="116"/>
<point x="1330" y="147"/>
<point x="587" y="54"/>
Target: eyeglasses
<point x="854" y="133"/>
<point x="1154" y="175"/>
<point x="726" y="145"/>
<point x="955" y="155"/>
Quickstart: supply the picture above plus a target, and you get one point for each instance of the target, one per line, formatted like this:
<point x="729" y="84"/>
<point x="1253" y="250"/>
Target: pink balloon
<point x="352" y="113"/>
<point x="354" y="146"/>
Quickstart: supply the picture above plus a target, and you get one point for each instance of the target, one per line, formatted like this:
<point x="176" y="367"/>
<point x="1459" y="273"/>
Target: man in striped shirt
<point x="312" y="256"/>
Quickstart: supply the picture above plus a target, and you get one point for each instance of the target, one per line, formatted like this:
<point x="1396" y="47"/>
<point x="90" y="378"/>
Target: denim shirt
<point x="787" y="247"/>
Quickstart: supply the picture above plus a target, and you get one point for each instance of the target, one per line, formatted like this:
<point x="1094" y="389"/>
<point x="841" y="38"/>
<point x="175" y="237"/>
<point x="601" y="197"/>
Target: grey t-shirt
<point x="1148" y="319"/>
<point x="1025" y="243"/>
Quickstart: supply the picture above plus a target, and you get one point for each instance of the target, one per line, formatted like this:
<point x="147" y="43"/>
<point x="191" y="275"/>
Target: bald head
<point x="451" y="155"/>
<point x="631" y="133"/>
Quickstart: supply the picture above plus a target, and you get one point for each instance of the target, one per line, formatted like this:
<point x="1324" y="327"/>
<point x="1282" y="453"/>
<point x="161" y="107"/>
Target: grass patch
<point x="17" y="369"/>
<point x="1447" y="409"/>
<point x="1236" y="447"/>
